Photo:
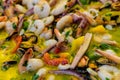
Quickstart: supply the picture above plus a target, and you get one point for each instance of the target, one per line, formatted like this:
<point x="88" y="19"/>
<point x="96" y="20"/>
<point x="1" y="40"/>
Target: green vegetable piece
<point x="107" y="78"/>
<point x="14" y="26"/>
<point x="65" y="6"/>
<point x="116" y="49"/>
<point x="92" y="56"/>
<point x="67" y="33"/>
<point x="35" y="77"/>
<point x="104" y="46"/>
<point x="25" y="25"/>
<point x="3" y="47"/>
<point x="108" y="14"/>
<point x="85" y="2"/>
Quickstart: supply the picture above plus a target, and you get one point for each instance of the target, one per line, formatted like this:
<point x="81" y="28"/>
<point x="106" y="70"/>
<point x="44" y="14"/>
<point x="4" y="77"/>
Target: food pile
<point x="59" y="40"/>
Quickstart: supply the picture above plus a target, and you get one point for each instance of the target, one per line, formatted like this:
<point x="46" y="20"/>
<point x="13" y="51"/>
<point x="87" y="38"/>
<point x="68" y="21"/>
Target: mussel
<point x="6" y="65"/>
<point x="29" y="39"/>
<point x="103" y="61"/>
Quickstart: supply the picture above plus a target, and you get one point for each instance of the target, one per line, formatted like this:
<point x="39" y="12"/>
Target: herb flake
<point x="35" y="77"/>
<point x="107" y="78"/>
<point x="14" y="26"/>
<point x="25" y="25"/>
<point x="3" y="47"/>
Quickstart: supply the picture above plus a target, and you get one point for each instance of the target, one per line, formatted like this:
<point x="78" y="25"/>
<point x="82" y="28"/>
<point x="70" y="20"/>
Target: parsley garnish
<point x="108" y="14"/>
<point x="67" y="33"/>
<point x="107" y="78"/>
<point x="104" y="46"/>
<point x="3" y="47"/>
<point x="65" y="6"/>
<point x="84" y="2"/>
<point x="35" y="77"/>
<point x="25" y="25"/>
<point x="14" y="26"/>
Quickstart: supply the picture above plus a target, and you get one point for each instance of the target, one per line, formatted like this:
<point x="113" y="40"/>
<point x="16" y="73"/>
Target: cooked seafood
<point x="59" y="40"/>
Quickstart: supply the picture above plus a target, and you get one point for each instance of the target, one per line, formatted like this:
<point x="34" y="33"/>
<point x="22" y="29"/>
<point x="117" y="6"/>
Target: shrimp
<point x="42" y="9"/>
<point x="9" y="11"/>
<point x="47" y="34"/>
<point x="28" y="54"/>
<point x="41" y="72"/>
<point x="14" y="20"/>
<point x="52" y="2"/>
<point x="3" y="18"/>
<point x="70" y="3"/>
<point x="9" y="27"/>
<point x="59" y="7"/>
<point x="63" y="67"/>
<point x="34" y="64"/>
<point x="20" y="8"/>
<point x="48" y="20"/>
<point x="37" y="27"/>
<point x="106" y="70"/>
<point x="64" y="21"/>
<point x="50" y="42"/>
<point x="2" y="25"/>
<point x="59" y="36"/>
<point x="30" y="4"/>
<point x="70" y="18"/>
<point x="54" y="61"/>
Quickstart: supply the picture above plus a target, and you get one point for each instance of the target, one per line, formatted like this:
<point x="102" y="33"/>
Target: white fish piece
<point x="50" y="42"/>
<point x="34" y="64"/>
<point x="37" y="27"/>
<point x="48" y="20"/>
<point x="59" y="8"/>
<point x="20" y="8"/>
<point x="42" y="71"/>
<point x="64" y="21"/>
<point x="42" y="9"/>
<point x="30" y="4"/>
<point x="9" y="27"/>
<point x="46" y="34"/>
